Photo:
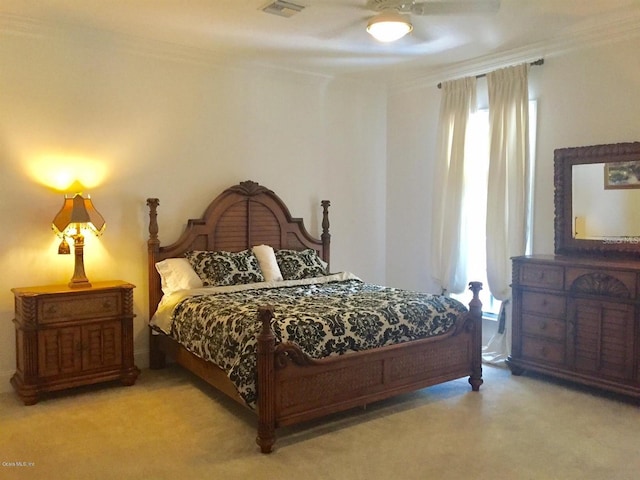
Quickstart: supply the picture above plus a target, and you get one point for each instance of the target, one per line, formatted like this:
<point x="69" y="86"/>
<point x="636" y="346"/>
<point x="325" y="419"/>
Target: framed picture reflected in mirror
<point x="622" y="175"/>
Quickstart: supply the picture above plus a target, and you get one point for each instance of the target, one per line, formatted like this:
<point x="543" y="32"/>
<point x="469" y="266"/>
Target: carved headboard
<point x="241" y="217"/>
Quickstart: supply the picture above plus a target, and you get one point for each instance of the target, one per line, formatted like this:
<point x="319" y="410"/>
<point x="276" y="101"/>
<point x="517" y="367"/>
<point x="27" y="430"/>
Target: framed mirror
<point x="597" y="200"/>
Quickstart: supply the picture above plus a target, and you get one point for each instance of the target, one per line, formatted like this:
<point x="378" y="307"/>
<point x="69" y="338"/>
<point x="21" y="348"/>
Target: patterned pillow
<point x="217" y="269"/>
<point x="296" y="265"/>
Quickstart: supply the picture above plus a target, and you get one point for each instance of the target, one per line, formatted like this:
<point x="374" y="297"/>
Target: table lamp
<point x="77" y="214"/>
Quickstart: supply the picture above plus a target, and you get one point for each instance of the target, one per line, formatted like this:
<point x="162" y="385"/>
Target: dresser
<point x="67" y="337"/>
<point x="578" y="319"/>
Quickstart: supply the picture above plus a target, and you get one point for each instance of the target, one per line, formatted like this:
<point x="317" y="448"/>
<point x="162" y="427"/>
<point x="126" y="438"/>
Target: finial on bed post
<point x="153" y="203"/>
<point x="475" y="303"/>
<point x="326" y="236"/>
<point x="157" y="359"/>
<point x="266" y="381"/>
<point x="475" y="310"/>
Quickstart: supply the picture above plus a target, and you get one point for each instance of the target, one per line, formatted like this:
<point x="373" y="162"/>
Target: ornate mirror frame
<point x="564" y="160"/>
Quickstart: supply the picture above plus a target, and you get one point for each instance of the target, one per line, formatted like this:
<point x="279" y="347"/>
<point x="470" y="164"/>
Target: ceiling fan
<point x="393" y="19"/>
<point x="435" y="7"/>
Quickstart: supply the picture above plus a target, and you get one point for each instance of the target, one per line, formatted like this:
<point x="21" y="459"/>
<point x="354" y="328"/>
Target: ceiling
<point x="328" y="37"/>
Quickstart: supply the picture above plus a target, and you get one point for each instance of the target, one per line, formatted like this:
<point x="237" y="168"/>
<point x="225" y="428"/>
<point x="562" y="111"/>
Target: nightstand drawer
<point x="547" y="276"/>
<point x="97" y="305"/>
<point x="543" y="304"/>
<point x="544" y="327"/>
<point x="546" y="351"/>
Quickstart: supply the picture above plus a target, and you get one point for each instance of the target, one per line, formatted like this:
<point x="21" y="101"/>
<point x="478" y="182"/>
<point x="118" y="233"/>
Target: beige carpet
<point x="172" y="426"/>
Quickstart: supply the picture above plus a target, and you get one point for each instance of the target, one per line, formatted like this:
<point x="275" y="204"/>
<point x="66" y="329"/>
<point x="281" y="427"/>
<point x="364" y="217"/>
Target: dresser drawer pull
<point x="52" y="310"/>
<point x="544" y="352"/>
<point x="543" y="325"/>
<point x="106" y="305"/>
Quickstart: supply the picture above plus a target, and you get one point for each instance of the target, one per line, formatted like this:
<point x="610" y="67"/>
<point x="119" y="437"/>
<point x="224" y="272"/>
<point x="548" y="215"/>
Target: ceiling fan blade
<point x="344" y="28"/>
<point x="354" y="4"/>
<point x="455" y="7"/>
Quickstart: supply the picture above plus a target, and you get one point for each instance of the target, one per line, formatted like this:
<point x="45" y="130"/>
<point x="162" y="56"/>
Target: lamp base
<point x="79" y="283"/>
<point x="79" y="279"/>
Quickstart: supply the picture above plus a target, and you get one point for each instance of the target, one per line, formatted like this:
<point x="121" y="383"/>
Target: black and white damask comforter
<point x="326" y="316"/>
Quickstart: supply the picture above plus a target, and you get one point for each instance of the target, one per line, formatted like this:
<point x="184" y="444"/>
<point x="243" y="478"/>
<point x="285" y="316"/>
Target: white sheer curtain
<point x="507" y="191"/>
<point x="458" y="100"/>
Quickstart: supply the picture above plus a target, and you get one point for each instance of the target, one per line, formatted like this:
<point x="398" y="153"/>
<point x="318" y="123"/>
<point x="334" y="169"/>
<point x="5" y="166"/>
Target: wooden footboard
<point x="294" y="388"/>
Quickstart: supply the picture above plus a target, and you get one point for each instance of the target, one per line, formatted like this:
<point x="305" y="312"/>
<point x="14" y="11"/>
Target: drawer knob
<point x="52" y="310"/>
<point x="106" y="305"/>
<point x="543" y="325"/>
<point x="544" y="351"/>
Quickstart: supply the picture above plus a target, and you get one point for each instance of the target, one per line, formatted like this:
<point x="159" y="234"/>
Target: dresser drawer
<point x="548" y="276"/>
<point x="601" y="282"/>
<point x="544" y="327"/>
<point x="543" y="350"/>
<point x="543" y="304"/>
<point x="59" y="309"/>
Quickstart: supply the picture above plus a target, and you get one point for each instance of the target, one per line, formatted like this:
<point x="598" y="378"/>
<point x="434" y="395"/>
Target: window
<point x="474" y="203"/>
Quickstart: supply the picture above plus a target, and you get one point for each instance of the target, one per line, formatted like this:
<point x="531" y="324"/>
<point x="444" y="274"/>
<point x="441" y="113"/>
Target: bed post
<point x="326" y="236"/>
<point x="157" y="359"/>
<point x="475" y="310"/>
<point x="266" y="381"/>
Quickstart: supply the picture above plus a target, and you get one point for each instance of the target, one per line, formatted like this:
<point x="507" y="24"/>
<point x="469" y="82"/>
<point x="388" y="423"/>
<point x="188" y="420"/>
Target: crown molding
<point x="613" y="31"/>
<point x="412" y="77"/>
<point x="17" y="25"/>
<point x="23" y="26"/>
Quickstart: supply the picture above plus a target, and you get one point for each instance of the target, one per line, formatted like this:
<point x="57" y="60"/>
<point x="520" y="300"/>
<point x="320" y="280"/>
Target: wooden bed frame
<point x="292" y="387"/>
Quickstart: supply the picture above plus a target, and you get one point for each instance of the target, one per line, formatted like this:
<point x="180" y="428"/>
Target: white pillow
<point x="268" y="264"/>
<point x="177" y="274"/>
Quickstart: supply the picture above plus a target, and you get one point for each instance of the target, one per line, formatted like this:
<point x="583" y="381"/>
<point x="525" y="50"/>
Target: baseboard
<point x="5" y="381"/>
<point x="141" y="359"/>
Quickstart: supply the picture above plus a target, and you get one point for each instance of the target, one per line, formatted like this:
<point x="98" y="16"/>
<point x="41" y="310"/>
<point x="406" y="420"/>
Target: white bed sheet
<point x="163" y="317"/>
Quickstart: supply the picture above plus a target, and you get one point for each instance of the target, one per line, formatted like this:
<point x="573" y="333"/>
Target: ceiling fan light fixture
<point x="389" y="26"/>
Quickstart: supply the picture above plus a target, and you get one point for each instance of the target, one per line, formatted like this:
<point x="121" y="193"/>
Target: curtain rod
<point x="540" y="61"/>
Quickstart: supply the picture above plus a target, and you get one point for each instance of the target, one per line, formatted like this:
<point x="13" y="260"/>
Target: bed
<point x="291" y="385"/>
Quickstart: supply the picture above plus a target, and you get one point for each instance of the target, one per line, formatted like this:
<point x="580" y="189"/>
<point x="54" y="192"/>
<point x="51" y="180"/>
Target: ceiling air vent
<point x="282" y="8"/>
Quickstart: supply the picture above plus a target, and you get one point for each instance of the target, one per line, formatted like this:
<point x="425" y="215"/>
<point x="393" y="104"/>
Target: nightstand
<point x="68" y="337"/>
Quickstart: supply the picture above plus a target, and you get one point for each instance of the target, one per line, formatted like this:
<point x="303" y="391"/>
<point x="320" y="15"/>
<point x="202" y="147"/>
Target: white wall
<point x="589" y="97"/>
<point x="585" y="97"/>
<point x="172" y="126"/>
<point x="413" y="123"/>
